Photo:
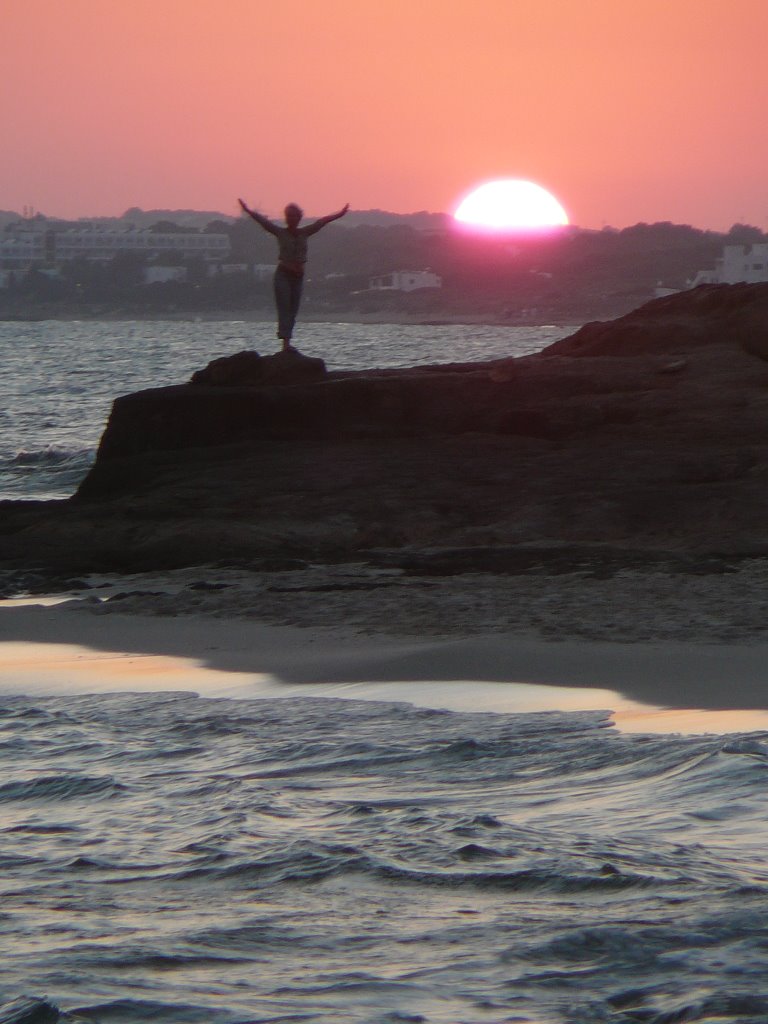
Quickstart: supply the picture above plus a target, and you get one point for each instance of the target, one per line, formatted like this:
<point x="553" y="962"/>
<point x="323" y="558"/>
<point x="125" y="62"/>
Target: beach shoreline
<point x="201" y="630"/>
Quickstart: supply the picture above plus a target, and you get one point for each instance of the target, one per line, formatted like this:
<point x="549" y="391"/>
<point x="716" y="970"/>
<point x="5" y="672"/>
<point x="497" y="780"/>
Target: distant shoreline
<point x="250" y="316"/>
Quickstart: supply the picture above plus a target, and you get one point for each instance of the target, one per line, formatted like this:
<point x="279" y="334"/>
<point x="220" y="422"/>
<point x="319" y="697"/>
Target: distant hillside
<point x="184" y="218"/>
<point x="422" y="221"/>
<point x="196" y="218"/>
<point x="136" y="217"/>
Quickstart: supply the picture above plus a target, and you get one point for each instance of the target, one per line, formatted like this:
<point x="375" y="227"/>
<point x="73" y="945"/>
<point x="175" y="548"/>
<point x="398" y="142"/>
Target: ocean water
<point x="60" y="377"/>
<point x="175" y="859"/>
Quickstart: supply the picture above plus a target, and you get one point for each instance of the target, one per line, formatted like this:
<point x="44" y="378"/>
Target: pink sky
<point x="626" y="111"/>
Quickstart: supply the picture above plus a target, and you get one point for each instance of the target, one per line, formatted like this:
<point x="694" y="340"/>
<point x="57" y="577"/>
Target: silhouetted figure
<point x="289" y="274"/>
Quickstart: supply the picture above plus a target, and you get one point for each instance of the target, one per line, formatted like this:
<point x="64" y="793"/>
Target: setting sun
<point x="510" y="204"/>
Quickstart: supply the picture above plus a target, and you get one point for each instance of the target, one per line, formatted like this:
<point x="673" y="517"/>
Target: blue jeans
<point x="287" y="299"/>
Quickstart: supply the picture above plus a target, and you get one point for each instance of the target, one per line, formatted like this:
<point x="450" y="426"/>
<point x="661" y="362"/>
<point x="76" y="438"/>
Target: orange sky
<point x="627" y="111"/>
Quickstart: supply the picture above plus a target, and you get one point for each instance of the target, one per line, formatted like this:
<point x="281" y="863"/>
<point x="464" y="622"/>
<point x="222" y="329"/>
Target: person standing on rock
<point x="289" y="274"/>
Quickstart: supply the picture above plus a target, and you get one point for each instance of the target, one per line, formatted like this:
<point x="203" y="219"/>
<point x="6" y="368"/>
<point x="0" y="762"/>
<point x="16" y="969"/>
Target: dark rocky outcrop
<point x="712" y="314"/>
<point x="648" y="433"/>
<point x="249" y="368"/>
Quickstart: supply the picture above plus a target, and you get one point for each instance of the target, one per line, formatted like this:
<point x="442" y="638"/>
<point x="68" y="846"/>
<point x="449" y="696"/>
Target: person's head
<point x="293" y="215"/>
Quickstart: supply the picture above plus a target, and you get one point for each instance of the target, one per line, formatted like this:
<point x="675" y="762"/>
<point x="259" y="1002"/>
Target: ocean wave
<point x="134" y="1011"/>
<point x="312" y="863"/>
<point x="59" y="787"/>
<point x="721" y="1007"/>
<point x="43" y="830"/>
<point x="47" y="473"/>
<point x="29" y="1010"/>
<point x="282" y="866"/>
<point x="266" y="933"/>
<point x="528" y="880"/>
<point x="51" y="456"/>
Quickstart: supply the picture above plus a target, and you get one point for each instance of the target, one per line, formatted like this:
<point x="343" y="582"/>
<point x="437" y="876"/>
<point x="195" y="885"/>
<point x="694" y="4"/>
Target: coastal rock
<point x="710" y="314"/>
<point x="249" y="368"/>
<point x="658" y="443"/>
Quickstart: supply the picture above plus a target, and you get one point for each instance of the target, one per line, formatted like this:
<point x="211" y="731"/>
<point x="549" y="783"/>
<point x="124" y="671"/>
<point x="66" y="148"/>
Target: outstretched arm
<point x="322" y="221"/>
<point x="261" y="220"/>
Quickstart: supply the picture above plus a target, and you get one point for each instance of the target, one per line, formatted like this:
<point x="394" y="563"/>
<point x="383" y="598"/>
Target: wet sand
<point x="667" y="686"/>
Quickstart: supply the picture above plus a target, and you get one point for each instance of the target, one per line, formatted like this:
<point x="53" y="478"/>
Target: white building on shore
<point x="31" y="242"/>
<point x="739" y="263"/>
<point x="162" y="275"/>
<point x="20" y="251"/>
<point x="105" y="244"/>
<point x="405" y="281"/>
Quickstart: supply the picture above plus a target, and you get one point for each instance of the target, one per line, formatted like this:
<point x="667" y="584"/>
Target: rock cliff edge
<point x="648" y="433"/>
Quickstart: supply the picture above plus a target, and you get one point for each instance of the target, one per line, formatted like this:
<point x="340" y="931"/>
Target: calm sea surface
<point x="60" y="377"/>
<point x="172" y="859"/>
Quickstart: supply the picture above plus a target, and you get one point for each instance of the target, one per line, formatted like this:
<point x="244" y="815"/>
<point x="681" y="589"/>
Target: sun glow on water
<point x="510" y="204"/>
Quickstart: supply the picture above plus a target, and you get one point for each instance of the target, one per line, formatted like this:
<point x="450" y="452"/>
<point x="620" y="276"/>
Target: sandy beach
<point x="664" y="653"/>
